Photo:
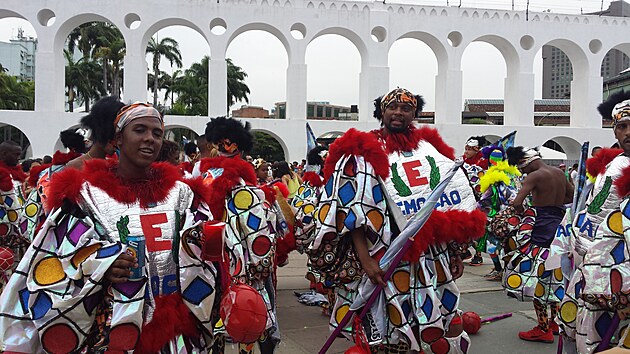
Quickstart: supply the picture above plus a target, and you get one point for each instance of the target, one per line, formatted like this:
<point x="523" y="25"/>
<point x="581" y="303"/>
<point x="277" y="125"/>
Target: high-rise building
<point x="18" y="56"/>
<point x="557" y="68"/>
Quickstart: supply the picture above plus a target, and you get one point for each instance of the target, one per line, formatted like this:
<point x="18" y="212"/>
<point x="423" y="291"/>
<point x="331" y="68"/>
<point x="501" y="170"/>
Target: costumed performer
<point x="354" y="228"/>
<point x="498" y="187"/>
<point x="475" y="165"/>
<point x="250" y="234"/>
<point x="600" y="286"/>
<point x="525" y="276"/>
<point x="117" y="265"/>
<point x="12" y="242"/>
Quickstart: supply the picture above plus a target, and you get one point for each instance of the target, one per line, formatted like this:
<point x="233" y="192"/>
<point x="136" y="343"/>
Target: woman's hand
<point x="120" y="270"/>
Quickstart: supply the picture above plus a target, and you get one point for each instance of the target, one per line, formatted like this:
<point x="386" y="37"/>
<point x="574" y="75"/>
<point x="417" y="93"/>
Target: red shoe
<point x="537" y="335"/>
<point x="553" y="326"/>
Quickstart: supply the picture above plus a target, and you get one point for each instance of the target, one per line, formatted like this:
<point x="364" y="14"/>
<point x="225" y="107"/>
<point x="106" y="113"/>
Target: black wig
<point x="221" y="128"/>
<point x="313" y="157"/>
<point x="101" y="119"/>
<point x="606" y="108"/>
<point x="515" y="154"/>
<point x="72" y="140"/>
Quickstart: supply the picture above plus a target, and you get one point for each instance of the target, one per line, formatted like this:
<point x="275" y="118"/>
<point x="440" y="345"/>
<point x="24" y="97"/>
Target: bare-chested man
<point x="525" y="275"/>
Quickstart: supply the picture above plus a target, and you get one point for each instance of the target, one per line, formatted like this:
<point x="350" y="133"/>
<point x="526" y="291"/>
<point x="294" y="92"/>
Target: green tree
<point x="267" y="147"/>
<point x="82" y="81"/>
<point x="15" y="94"/>
<point x="112" y="52"/>
<point x="167" y="48"/>
<point x="237" y="90"/>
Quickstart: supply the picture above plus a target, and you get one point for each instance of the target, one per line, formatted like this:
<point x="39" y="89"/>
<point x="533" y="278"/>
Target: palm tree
<point x="168" y="48"/>
<point x="82" y="81"/>
<point x="113" y="54"/>
<point x="15" y="94"/>
<point x="237" y="90"/>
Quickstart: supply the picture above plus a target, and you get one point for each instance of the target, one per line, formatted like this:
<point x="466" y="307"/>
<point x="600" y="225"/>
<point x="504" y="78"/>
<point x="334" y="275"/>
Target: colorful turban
<point x="257" y="163"/>
<point x="399" y="95"/>
<point x="530" y="155"/>
<point x="136" y="110"/>
<point x="495" y="156"/>
<point x="472" y="143"/>
<point x="621" y="112"/>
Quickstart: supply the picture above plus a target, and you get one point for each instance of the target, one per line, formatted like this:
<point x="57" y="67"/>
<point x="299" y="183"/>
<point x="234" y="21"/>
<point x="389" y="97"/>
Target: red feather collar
<point x="477" y="160"/>
<point x="233" y="170"/>
<point x="623" y="183"/>
<point x="407" y="141"/>
<point x="102" y="174"/>
<point x="62" y="158"/>
<point x="313" y="179"/>
<point x="34" y="173"/>
<point x="10" y="173"/>
<point x="597" y="165"/>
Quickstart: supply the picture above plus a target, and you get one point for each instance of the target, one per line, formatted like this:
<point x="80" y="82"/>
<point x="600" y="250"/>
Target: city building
<point x="557" y="68"/>
<point x="549" y="112"/>
<point x="18" y="56"/>
<point x="322" y="110"/>
<point x="250" y="112"/>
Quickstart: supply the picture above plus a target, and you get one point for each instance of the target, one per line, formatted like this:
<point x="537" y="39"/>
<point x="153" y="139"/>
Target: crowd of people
<point x="128" y="242"/>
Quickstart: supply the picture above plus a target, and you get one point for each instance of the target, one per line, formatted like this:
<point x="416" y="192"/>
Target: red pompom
<point x="471" y="322"/>
<point x="244" y="313"/>
<point x="356" y="349"/>
<point x="213" y="236"/>
<point x="6" y="259"/>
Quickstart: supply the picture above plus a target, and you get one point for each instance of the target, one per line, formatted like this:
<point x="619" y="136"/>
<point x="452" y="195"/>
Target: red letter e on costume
<point x="412" y="170"/>
<point x="153" y="234"/>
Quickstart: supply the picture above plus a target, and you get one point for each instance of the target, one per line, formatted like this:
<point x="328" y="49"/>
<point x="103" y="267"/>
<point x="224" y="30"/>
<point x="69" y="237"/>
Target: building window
<point x="329" y="112"/>
<point x="320" y="111"/>
<point x="310" y="110"/>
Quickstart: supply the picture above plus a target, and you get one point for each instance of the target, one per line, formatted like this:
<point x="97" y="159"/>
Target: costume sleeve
<point x="196" y="276"/>
<point x="57" y="285"/>
<point x="305" y="204"/>
<point x="249" y="239"/>
<point x="32" y="215"/>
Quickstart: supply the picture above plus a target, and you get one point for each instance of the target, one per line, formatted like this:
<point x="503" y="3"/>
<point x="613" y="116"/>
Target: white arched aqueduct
<point x="373" y="27"/>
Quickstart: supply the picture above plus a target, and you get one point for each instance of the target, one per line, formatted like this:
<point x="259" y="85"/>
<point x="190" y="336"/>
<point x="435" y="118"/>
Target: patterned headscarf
<point x="399" y="95"/>
<point x="530" y="155"/>
<point x="136" y="110"/>
<point x="621" y="112"/>
<point x="257" y="163"/>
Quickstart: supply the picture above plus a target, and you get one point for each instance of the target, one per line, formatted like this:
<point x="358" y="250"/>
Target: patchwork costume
<point x="59" y="300"/>
<point x="35" y="209"/>
<point x="12" y="226"/>
<point x="601" y="283"/>
<point x="421" y="293"/>
<point x="250" y="234"/>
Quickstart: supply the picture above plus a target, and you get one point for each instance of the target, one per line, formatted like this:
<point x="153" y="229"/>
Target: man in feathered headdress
<point x="600" y="287"/>
<point x="371" y="175"/>
<point x="525" y="274"/>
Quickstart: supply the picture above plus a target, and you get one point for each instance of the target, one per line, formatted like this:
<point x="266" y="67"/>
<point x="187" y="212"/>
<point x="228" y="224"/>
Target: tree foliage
<point x="15" y="94"/>
<point x="267" y="147"/>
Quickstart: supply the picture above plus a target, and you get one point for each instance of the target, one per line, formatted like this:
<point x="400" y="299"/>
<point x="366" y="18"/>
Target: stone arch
<point x="430" y="40"/>
<point x="348" y="34"/>
<point x="285" y="148"/>
<point x="261" y="26"/>
<point x="623" y="48"/>
<point x="172" y="127"/>
<point x="505" y="47"/>
<point x="328" y="137"/>
<point x="492" y="138"/>
<point x="168" y="22"/>
<point x="571" y="147"/>
<point x="576" y="54"/>
<point x="12" y="132"/>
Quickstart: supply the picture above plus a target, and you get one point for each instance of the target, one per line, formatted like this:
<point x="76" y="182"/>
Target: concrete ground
<point x="304" y="329"/>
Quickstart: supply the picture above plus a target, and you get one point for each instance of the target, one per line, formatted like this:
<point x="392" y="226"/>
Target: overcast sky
<point x="334" y="64"/>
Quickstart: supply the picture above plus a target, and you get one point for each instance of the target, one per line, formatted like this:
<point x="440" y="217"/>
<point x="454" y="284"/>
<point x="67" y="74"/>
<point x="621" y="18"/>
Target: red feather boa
<point x="10" y="173"/>
<point x="233" y="170"/>
<point x="170" y="319"/>
<point x="186" y="166"/>
<point x="33" y="174"/>
<point x="62" y="158"/>
<point x="597" y="165"/>
<point x="313" y="179"/>
<point x="200" y="189"/>
<point x="284" y="246"/>
<point x="407" y="141"/>
<point x="446" y="226"/>
<point x="355" y="142"/>
<point x="623" y="183"/>
<point x="102" y="174"/>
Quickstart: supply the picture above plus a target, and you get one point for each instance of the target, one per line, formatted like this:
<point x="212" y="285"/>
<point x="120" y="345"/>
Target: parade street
<point x="304" y="329"/>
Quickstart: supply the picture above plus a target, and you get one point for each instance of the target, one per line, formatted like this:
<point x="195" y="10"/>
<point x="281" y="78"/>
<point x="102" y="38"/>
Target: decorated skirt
<point x="525" y="276"/>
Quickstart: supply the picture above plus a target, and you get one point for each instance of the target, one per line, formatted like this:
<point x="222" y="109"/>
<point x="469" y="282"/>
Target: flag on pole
<point x="311" y="141"/>
<point x="507" y="141"/>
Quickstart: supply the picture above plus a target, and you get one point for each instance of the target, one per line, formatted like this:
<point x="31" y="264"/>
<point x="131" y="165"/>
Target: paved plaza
<point x="304" y="329"/>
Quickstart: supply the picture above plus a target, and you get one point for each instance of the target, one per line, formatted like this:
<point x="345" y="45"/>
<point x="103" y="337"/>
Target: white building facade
<point x="373" y="27"/>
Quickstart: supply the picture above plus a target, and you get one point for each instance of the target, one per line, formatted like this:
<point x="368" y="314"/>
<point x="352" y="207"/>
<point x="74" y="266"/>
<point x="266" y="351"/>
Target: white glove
<point x="582" y="245"/>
